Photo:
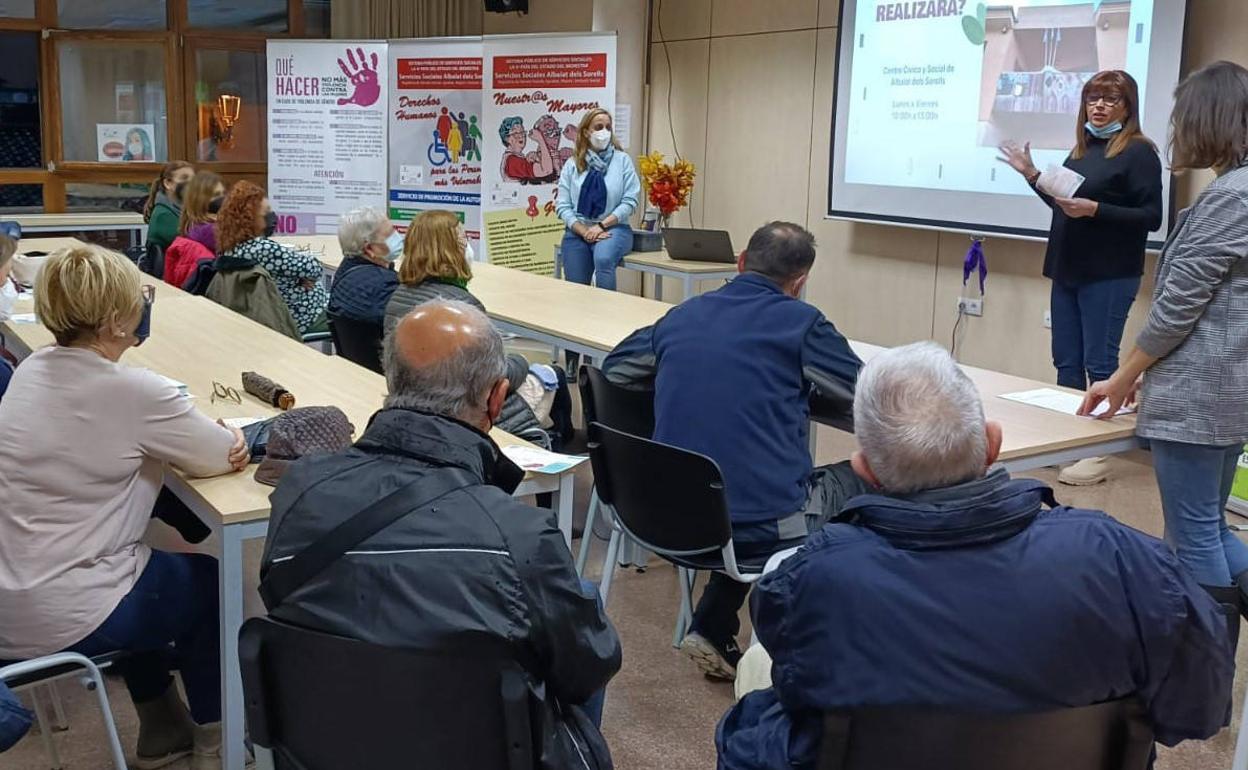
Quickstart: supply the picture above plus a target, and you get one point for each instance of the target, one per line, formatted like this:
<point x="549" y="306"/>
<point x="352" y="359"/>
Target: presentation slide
<point x="928" y="89"/>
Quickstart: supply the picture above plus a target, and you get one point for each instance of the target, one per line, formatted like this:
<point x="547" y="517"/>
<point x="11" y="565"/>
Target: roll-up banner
<point x="327" y="131"/>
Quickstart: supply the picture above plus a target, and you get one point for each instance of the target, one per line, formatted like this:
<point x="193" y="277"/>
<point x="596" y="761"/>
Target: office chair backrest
<point x="669" y="499"/>
<point x="1108" y="736"/>
<point x="324" y="702"/>
<point x="631" y="411"/>
<point x="357" y="341"/>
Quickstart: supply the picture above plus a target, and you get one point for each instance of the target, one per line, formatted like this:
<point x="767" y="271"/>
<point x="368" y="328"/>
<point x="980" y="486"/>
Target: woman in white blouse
<point x="83" y="449"/>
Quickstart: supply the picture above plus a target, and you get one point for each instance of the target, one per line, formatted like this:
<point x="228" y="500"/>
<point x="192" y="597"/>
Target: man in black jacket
<point x="473" y="560"/>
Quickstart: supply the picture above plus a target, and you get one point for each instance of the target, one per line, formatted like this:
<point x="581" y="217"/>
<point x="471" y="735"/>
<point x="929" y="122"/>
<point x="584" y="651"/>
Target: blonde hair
<point x="431" y="249"/>
<point x="582" y="136"/>
<point x="83" y="288"/>
<point x="8" y="247"/>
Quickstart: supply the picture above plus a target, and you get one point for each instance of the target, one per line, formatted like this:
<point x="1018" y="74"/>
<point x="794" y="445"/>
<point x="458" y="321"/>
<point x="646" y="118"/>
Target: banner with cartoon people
<point x="327" y="130"/>
<point x="436" y="142"/>
<point x="535" y="92"/>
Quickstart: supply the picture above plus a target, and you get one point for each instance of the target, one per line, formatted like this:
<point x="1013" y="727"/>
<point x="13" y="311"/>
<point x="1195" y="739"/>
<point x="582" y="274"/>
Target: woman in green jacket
<point x="162" y="209"/>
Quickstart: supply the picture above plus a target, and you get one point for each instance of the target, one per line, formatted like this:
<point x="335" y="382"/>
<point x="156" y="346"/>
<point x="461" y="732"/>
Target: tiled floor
<point x="660" y="712"/>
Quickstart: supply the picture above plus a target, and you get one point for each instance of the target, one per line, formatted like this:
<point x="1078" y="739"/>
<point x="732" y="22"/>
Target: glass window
<point x="21" y="198"/>
<point x="267" y="15"/>
<point x="115" y="14"/>
<point x="17" y="9"/>
<point x="101" y="196"/>
<point x="112" y="101"/>
<point x="20" y="143"/>
<point x="316" y="18"/>
<point x="230" y="105"/>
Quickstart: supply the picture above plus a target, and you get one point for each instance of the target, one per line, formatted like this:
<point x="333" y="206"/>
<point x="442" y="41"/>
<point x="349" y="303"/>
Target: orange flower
<point x="668" y="186"/>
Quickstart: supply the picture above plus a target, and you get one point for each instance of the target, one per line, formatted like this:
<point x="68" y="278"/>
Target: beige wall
<point x="751" y="107"/>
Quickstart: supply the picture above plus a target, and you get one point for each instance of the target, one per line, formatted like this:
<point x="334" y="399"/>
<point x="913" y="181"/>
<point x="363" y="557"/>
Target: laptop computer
<point x="694" y="245"/>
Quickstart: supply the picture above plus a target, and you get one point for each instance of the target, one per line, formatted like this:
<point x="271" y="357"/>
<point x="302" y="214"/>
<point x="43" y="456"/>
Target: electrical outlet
<point x="1048" y="320"/>
<point x="971" y="306"/>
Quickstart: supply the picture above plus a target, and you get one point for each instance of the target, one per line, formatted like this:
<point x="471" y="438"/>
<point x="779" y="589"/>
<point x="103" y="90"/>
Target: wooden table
<point x="46" y="245"/>
<point x="198" y="342"/>
<point x="592" y="322"/>
<point x="660" y="265"/>
<point x="86" y="222"/>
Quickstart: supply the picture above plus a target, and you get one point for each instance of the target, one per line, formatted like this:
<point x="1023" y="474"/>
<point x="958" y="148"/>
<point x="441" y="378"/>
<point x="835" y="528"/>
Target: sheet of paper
<point x="24" y="318"/>
<point x="539" y="460"/>
<point x="242" y="422"/>
<point x="1059" y="181"/>
<point x="1057" y="401"/>
<point x="623" y="124"/>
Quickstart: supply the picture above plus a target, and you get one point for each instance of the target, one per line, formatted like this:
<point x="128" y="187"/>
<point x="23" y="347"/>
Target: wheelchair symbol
<point x="438" y="150"/>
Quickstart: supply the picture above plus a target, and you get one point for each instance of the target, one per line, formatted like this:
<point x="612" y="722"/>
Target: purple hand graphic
<point x="363" y="77"/>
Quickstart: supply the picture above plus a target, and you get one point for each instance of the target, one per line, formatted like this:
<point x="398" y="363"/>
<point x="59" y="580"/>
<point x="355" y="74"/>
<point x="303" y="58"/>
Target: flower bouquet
<point x="667" y="185"/>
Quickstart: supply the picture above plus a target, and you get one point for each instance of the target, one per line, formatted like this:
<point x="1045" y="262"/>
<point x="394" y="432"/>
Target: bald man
<point x="459" y="555"/>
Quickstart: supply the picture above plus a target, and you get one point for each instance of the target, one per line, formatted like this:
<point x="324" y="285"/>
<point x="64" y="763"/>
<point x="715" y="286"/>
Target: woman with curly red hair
<point x="244" y="224"/>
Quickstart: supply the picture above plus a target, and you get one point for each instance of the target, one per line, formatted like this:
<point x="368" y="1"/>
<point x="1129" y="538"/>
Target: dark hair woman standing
<point x="1095" y="255"/>
<point x="1193" y="349"/>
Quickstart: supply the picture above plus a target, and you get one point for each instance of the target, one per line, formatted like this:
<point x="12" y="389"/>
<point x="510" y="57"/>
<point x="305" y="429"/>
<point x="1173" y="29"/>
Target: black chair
<point x="357" y="341"/>
<point x="316" y="701"/>
<point x="671" y="501"/>
<point x="1115" y="735"/>
<point x="631" y="411"/>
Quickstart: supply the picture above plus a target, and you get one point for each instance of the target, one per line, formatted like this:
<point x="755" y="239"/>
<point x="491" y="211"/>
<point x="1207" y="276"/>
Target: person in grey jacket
<point x="473" y="562"/>
<point x="1190" y="361"/>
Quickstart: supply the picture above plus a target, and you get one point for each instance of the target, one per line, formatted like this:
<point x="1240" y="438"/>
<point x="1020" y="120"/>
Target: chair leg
<point x="95" y="682"/>
<point x="684" y="618"/>
<point x="45" y="730"/>
<point x="587" y="535"/>
<point x="59" y="721"/>
<point x="608" y="566"/>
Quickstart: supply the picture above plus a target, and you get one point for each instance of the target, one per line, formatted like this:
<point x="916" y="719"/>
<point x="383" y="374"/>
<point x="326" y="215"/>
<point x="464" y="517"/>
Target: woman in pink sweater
<point x="83" y="452"/>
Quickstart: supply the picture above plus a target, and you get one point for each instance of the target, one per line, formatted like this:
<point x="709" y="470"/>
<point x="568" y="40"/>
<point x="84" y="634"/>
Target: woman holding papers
<point x="1106" y="198"/>
<point x="1193" y="348"/>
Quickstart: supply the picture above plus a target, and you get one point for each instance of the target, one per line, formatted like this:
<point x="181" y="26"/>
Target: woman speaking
<point x="1095" y="254"/>
<point x="598" y="192"/>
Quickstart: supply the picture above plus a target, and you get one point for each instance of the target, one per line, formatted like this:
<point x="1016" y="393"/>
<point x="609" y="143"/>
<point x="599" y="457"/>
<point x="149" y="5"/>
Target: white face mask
<point x="468" y="255"/>
<point x="600" y="139"/>
<point x="394" y="242"/>
<point x="136" y="148"/>
<point x="8" y="298"/>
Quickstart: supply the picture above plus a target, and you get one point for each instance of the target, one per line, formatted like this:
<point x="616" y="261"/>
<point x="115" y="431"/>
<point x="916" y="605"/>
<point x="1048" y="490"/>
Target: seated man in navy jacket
<point x="733" y="372"/>
<point x="957" y="587"/>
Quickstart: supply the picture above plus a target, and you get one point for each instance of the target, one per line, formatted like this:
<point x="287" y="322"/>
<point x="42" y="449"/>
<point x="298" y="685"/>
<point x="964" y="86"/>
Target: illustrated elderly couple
<point x="541" y="166"/>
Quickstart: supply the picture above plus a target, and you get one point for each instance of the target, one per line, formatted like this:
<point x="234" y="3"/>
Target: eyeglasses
<point x="1109" y="100"/>
<point x="225" y="393"/>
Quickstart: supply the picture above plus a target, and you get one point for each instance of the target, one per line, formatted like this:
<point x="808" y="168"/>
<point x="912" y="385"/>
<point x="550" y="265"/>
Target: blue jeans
<point x="174" y="602"/>
<point x="582" y="260"/>
<point x="1087" y="328"/>
<point x="1195" y="482"/>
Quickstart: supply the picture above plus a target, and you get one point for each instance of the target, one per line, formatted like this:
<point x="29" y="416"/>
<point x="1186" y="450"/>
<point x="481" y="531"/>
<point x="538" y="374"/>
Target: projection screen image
<point x="926" y="90"/>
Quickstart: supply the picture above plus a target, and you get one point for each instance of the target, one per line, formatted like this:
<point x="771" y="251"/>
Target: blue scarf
<point x="593" y="201"/>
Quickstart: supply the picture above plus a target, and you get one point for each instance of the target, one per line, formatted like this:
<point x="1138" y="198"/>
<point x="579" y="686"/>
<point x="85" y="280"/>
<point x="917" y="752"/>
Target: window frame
<point x="181" y="41"/>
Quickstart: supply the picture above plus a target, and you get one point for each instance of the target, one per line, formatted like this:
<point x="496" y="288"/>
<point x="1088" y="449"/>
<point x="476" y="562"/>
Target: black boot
<point x="1232" y="600"/>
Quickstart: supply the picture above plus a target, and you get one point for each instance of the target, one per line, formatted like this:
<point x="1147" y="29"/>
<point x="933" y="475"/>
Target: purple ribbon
<point x="975" y="261"/>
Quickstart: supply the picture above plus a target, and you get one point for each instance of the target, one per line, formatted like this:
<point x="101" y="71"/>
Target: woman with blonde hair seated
<point x="437" y="264"/>
<point x="84" y="450"/>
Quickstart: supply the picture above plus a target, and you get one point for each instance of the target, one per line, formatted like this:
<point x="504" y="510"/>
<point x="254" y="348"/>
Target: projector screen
<point x="927" y="89"/>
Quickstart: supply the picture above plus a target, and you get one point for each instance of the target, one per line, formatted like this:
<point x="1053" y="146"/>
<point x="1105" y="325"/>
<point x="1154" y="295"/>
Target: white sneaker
<point x="1085" y="473"/>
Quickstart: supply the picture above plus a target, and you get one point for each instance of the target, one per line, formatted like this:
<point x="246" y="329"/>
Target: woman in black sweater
<point x="1095" y="254"/>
